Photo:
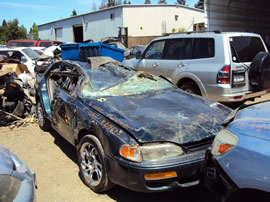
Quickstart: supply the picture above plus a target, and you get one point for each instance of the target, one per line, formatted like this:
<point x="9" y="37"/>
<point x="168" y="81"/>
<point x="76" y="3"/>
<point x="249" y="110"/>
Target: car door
<point x="64" y="106"/>
<point x="151" y="57"/>
<point x="175" y="58"/>
<point x="166" y="57"/>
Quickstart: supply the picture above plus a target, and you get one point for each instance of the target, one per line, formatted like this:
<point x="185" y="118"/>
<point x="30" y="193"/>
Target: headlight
<point x="224" y="142"/>
<point x="155" y="151"/>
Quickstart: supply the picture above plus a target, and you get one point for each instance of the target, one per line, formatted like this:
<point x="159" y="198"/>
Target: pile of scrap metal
<point x="51" y="54"/>
<point x="15" y="99"/>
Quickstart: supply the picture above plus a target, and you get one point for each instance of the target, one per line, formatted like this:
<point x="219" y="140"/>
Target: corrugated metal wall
<point x="238" y="15"/>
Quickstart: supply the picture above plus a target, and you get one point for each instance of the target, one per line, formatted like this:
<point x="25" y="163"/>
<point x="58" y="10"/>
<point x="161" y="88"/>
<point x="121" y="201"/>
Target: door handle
<point x="154" y="65"/>
<point x="181" y="65"/>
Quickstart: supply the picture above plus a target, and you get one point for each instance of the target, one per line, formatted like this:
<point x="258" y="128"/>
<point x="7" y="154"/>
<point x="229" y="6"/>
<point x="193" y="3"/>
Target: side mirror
<point x="138" y="55"/>
<point x="23" y="59"/>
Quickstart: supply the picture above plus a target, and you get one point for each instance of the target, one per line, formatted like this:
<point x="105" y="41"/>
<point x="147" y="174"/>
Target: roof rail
<point x="202" y="31"/>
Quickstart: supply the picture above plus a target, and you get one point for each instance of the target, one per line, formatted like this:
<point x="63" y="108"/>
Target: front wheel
<point x="91" y="161"/>
<point x="190" y="87"/>
<point x="43" y="122"/>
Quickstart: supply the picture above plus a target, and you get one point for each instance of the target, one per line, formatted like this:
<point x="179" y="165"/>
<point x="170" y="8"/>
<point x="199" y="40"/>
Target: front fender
<point x="110" y="134"/>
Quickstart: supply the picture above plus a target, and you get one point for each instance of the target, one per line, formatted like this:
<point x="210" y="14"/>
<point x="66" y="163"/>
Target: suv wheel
<point x="190" y="87"/>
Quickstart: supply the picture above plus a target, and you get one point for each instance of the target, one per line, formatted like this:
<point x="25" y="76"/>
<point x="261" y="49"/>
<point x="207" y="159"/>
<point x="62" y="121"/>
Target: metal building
<point x="143" y="22"/>
<point x="239" y="15"/>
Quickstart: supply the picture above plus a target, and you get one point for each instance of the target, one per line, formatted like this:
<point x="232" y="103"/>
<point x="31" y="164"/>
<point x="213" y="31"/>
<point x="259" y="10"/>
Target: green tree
<point x="162" y="2"/>
<point x="147" y="2"/>
<point x="3" y="32"/>
<point x="74" y="13"/>
<point x="183" y="2"/>
<point x="125" y="1"/>
<point x="4" y="23"/>
<point x="129" y="2"/>
<point x="110" y="3"/>
<point x="200" y="4"/>
<point x="11" y="30"/>
<point x="34" y="31"/>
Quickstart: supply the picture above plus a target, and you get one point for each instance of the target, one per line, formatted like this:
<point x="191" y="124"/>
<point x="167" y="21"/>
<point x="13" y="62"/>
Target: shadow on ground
<point x="64" y="145"/>
<point x="194" y="194"/>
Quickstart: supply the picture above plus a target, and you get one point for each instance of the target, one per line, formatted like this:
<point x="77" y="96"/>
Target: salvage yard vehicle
<point x="17" y="180"/>
<point x="130" y="128"/>
<point x="238" y="164"/>
<point x="32" y="43"/>
<point x="216" y="65"/>
<point x="26" y="56"/>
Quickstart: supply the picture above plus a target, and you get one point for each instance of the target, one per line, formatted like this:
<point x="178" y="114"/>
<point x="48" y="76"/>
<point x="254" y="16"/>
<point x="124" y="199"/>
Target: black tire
<point x="43" y="122"/>
<point x="91" y="161"/>
<point x="190" y="87"/>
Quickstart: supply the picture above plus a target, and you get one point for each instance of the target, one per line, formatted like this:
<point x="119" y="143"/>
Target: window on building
<point x="112" y="16"/>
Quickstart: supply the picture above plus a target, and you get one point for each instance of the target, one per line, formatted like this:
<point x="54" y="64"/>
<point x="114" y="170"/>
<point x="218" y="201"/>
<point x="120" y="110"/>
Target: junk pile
<point x="16" y="86"/>
<point x="51" y="54"/>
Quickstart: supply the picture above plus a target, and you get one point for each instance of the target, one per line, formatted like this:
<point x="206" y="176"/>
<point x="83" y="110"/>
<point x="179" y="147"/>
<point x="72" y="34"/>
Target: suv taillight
<point x="224" y="75"/>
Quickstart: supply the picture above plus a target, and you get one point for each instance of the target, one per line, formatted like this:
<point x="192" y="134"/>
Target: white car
<point x="39" y="50"/>
<point x="26" y="56"/>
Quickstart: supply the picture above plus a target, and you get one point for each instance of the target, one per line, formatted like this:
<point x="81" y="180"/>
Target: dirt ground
<point x="54" y="162"/>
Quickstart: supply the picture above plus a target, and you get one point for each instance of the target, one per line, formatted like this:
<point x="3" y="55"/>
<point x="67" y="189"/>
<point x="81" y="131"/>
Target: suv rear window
<point x="245" y="48"/>
<point x="203" y="48"/>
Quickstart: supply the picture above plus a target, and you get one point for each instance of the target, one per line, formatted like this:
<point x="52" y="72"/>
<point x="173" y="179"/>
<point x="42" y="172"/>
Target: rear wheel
<point x="190" y="87"/>
<point x="91" y="161"/>
<point x="43" y="122"/>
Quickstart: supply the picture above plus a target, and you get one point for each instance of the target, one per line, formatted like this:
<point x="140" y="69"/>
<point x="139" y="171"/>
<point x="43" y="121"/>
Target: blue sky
<point x="30" y="11"/>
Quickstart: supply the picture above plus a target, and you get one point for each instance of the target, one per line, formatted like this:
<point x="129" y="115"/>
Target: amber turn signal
<point x="223" y="148"/>
<point x="127" y="151"/>
<point x="159" y="176"/>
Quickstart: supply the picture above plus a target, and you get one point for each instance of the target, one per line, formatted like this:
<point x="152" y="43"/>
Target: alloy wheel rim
<point x="91" y="164"/>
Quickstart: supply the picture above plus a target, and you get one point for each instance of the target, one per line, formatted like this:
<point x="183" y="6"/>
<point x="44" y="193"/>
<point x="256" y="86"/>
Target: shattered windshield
<point x="113" y="80"/>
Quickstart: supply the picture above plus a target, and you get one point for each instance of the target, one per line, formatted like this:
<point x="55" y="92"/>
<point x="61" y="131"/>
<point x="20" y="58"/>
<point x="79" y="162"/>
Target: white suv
<point x="212" y="64"/>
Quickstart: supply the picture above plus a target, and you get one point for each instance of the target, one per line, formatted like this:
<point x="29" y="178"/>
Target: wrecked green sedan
<point x="130" y="128"/>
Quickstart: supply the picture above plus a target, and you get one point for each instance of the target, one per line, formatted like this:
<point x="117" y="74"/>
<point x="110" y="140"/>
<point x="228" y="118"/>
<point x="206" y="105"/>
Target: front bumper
<point x="131" y="175"/>
<point x="215" y="179"/>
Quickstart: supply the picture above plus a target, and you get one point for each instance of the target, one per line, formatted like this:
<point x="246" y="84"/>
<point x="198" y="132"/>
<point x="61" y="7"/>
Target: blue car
<point x="238" y="164"/>
<point x="130" y="128"/>
<point x="17" y="180"/>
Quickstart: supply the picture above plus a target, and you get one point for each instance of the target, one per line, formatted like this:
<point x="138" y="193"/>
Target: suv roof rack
<point x="202" y="31"/>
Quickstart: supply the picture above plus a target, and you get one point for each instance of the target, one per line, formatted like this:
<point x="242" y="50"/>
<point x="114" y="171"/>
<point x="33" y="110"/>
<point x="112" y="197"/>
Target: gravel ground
<point x="54" y="161"/>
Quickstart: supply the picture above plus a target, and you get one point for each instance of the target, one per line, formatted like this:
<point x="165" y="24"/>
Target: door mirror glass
<point x="138" y="55"/>
<point x="23" y="59"/>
